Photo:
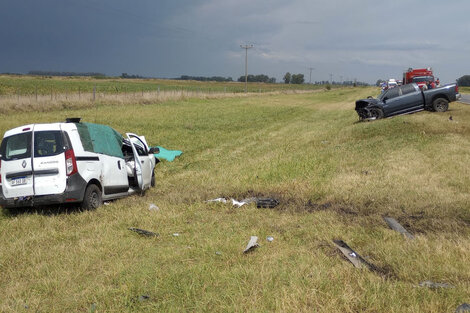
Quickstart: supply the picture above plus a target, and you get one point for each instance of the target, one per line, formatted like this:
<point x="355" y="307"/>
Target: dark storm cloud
<point x="364" y="39"/>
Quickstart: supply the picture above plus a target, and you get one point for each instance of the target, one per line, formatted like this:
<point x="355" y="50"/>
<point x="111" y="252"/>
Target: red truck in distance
<point x="418" y="75"/>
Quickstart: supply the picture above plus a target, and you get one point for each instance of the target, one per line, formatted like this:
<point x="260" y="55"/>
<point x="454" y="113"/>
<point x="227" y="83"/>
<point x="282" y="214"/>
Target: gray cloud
<point x="364" y="39"/>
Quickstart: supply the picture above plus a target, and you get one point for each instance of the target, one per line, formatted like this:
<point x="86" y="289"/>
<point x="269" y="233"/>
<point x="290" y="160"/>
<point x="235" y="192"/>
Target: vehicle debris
<point x="266" y="203"/>
<point x="143" y="232"/>
<point x="153" y="207"/>
<point x="252" y="244"/>
<point x="352" y="255"/>
<point x="434" y="285"/>
<point x="270" y="238"/>
<point x="143" y="298"/>
<point x="464" y="307"/>
<point x="393" y="224"/>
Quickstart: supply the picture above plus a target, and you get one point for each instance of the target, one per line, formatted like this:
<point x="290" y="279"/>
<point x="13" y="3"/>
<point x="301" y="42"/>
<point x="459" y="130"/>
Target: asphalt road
<point x="465" y="99"/>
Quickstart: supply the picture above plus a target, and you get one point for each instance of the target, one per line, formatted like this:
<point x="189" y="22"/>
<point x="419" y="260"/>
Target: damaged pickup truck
<point x="405" y="99"/>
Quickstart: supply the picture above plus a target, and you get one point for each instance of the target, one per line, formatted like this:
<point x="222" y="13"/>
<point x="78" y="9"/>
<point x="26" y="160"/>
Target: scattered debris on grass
<point x="393" y="224"/>
<point x="270" y="238"/>
<point x="260" y="202"/>
<point x="93" y="308"/>
<point x="175" y="234"/>
<point x="143" y="298"/>
<point x="433" y="285"/>
<point x="266" y="203"/>
<point x="352" y="255"/>
<point x="153" y="207"/>
<point x="464" y="307"/>
<point x="143" y="232"/>
<point x="252" y="244"/>
<point x="218" y="253"/>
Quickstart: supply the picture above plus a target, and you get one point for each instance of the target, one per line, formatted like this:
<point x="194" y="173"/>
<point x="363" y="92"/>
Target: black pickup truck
<point x="408" y="98"/>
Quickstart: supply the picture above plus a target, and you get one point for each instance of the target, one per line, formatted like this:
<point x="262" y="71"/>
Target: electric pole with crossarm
<point x="246" y="47"/>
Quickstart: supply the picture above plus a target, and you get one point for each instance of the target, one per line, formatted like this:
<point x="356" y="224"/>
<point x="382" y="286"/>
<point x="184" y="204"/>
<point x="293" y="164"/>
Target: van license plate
<point x="18" y="181"/>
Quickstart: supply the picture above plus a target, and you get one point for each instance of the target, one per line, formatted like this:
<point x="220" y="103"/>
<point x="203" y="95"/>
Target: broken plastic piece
<point x="153" y="207"/>
<point x="266" y="203"/>
<point x="223" y="200"/>
<point x="218" y="253"/>
<point x="352" y="255"/>
<point x="176" y="235"/>
<point x="270" y="238"/>
<point x="434" y="285"/>
<point x="252" y="244"/>
<point x="464" y="307"/>
<point x="143" y="298"/>
<point x="143" y="232"/>
<point x="393" y="224"/>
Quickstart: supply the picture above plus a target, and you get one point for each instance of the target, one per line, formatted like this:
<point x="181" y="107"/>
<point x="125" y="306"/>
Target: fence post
<point x="36" y="92"/>
<point x="51" y="93"/>
<point x="78" y="92"/>
<point x="94" y="93"/>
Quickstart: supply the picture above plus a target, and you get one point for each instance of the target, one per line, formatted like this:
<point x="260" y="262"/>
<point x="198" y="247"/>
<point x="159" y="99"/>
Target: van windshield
<point x="16" y="147"/>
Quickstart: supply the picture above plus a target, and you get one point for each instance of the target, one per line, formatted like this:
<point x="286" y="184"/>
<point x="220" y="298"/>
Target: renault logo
<point x="23" y="164"/>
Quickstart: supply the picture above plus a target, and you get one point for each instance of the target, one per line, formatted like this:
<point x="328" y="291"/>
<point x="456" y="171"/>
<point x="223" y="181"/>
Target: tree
<point x="464" y="81"/>
<point x="287" y="78"/>
<point x="297" y="79"/>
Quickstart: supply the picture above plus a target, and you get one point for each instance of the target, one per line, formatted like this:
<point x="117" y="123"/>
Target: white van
<point x="72" y="162"/>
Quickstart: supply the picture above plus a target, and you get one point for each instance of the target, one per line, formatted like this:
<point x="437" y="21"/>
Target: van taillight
<point x="70" y="162"/>
<point x="456" y="88"/>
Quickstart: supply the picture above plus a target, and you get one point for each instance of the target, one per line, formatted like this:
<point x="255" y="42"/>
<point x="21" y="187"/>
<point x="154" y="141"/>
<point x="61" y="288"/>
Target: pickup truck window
<point x="391" y="93"/>
<point x="406" y="89"/>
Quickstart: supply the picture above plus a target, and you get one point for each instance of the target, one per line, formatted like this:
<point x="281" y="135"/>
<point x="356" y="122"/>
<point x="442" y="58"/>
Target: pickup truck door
<point x="402" y="99"/>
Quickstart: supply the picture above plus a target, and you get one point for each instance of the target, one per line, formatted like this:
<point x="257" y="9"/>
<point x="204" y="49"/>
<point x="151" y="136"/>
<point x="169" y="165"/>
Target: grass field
<point x="335" y="179"/>
<point x="24" y="85"/>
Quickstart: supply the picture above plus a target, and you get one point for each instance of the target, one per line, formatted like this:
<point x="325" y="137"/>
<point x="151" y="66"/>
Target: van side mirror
<point x="154" y="150"/>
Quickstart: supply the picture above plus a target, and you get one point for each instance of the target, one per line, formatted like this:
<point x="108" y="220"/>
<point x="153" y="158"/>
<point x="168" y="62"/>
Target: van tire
<point x="92" y="199"/>
<point x="440" y="105"/>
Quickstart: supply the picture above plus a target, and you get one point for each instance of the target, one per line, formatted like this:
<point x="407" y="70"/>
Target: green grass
<point x="334" y="178"/>
<point x="45" y="85"/>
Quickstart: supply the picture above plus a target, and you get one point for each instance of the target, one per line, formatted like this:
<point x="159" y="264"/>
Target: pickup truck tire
<point x="92" y="199"/>
<point x="376" y="112"/>
<point x="440" y="105"/>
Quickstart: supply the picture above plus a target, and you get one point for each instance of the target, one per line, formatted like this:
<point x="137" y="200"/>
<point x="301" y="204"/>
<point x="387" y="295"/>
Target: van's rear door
<point x="17" y="171"/>
<point x="49" y="160"/>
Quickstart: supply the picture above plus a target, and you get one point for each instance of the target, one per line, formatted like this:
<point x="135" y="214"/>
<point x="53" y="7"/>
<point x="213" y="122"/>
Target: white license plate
<point x="18" y="181"/>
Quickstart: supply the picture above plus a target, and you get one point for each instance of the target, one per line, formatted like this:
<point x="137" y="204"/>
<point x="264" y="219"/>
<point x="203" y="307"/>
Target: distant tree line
<point x="53" y="73"/>
<point x="261" y="78"/>
<point x="206" y="79"/>
<point x="464" y="81"/>
<point x="293" y="78"/>
<point x="125" y="75"/>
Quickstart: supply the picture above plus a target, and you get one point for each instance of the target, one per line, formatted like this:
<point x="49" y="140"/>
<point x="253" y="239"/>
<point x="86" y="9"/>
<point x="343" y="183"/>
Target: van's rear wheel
<point x="440" y="105"/>
<point x="92" y="199"/>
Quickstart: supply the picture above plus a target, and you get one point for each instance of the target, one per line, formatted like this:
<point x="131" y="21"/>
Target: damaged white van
<point x="72" y="162"/>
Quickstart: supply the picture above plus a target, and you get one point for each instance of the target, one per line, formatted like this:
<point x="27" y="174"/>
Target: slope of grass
<point x="335" y="179"/>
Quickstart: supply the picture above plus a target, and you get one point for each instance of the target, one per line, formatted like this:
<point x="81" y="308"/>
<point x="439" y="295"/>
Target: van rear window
<point x="48" y="143"/>
<point x="16" y="147"/>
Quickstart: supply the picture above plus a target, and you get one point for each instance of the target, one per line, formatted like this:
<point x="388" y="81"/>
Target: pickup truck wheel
<point x="376" y="112"/>
<point x="92" y="199"/>
<point x="440" y="105"/>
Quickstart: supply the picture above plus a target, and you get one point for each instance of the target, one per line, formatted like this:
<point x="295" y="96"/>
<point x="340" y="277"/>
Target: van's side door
<point x="143" y="163"/>
<point x="114" y="175"/>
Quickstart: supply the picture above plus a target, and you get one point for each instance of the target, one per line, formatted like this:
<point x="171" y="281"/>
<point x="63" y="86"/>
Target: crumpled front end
<point x="363" y="106"/>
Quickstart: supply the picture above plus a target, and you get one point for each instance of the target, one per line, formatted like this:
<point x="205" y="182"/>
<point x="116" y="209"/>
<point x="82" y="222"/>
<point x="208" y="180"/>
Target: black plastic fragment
<point x="465" y="307"/>
<point x="266" y="203"/>
<point x="143" y="232"/>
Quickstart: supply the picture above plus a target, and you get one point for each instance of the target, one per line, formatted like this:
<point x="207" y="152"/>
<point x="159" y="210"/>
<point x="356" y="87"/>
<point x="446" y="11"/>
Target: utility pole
<point x="331" y="78"/>
<point x="246" y="47"/>
<point x="311" y="69"/>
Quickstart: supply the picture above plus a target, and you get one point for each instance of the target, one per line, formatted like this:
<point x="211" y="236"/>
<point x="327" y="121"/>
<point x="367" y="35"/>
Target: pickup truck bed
<point x="407" y="99"/>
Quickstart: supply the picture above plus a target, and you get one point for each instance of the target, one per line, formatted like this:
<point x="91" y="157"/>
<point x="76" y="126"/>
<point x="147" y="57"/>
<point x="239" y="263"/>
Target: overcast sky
<point x="363" y="39"/>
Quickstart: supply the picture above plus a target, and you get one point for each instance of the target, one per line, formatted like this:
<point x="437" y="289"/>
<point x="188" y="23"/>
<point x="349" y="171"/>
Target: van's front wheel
<point x="92" y="199"/>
